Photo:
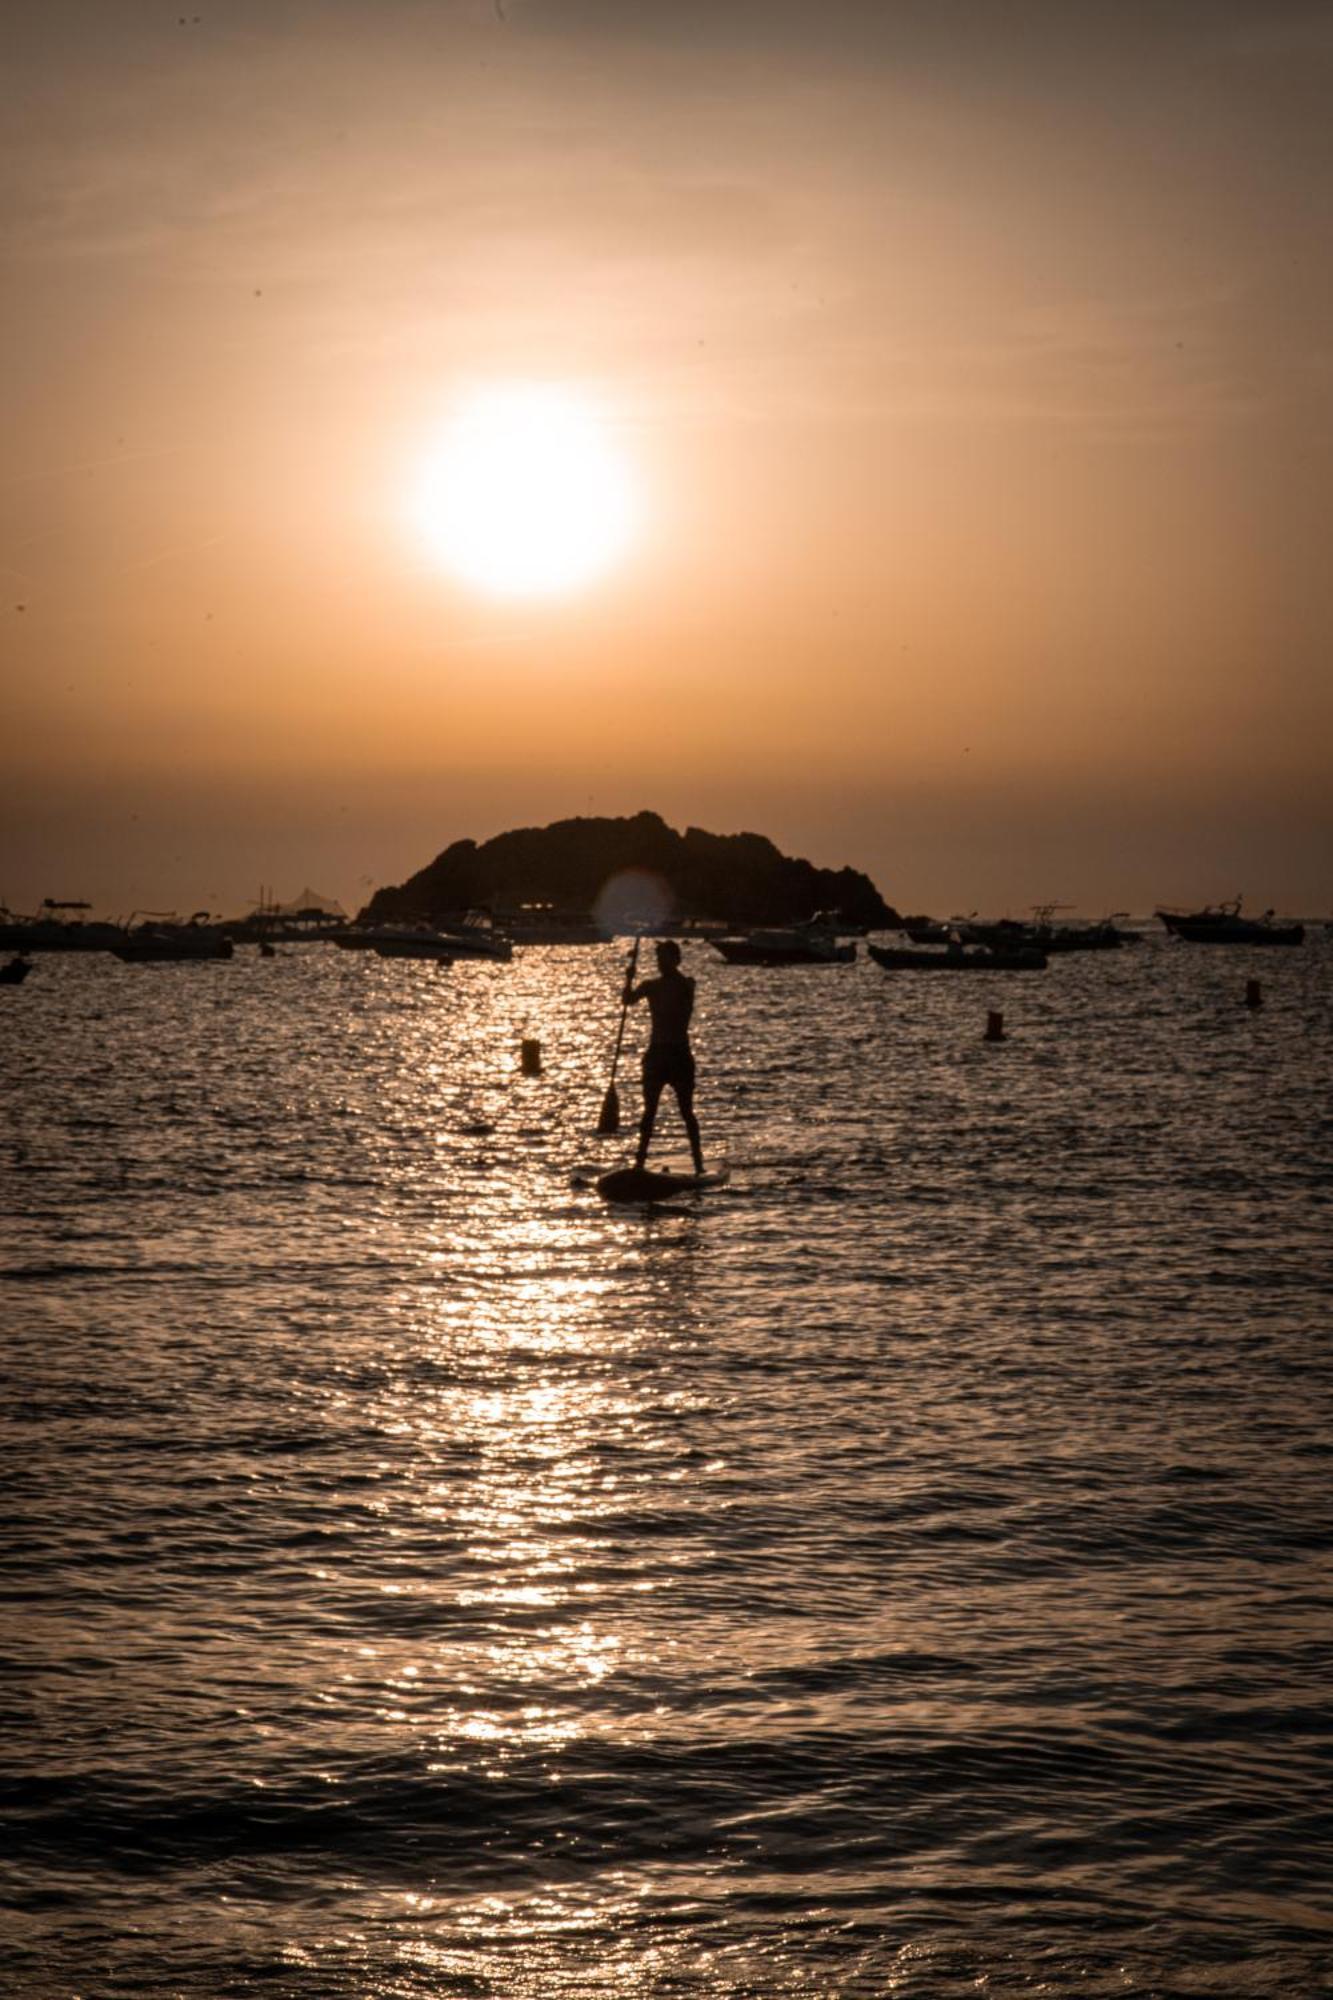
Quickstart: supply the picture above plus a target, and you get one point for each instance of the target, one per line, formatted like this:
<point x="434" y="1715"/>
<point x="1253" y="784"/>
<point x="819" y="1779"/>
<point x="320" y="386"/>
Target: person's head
<point x="668" y="955"/>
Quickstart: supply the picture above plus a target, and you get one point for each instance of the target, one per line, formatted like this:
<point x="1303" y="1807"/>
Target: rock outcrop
<point x="737" y="878"/>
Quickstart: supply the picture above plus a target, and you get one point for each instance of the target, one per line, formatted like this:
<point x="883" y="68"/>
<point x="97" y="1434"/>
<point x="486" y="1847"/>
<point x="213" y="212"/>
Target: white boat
<point x="411" y="941"/>
<point x="475" y="936"/>
<point x="1222" y="923"/>
<point x="470" y="937"/>
<point x="801" y="945"/>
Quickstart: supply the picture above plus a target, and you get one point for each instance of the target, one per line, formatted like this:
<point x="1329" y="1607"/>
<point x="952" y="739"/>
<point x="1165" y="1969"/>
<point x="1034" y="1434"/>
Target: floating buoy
<point x="994" y="1027"/>
<point x="1254" y="993"/>
<point x="530" y="1060"/>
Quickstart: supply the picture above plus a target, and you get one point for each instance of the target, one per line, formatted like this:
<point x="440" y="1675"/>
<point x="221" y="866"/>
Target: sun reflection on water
<point x="525" y="1445"/>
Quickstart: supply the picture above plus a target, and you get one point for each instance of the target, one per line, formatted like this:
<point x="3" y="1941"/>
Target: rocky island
<point x="733" y="878"/>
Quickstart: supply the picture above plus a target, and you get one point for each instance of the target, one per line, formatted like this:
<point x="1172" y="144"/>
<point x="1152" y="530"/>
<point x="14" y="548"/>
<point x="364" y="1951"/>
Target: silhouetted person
<point x="668" y="1058"/>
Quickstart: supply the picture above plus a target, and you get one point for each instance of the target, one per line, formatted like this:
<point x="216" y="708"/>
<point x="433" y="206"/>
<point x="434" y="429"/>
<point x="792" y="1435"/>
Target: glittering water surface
<point x="902" y="1571"/>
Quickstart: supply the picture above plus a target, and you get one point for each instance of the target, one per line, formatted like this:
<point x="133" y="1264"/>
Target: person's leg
<point x="684" y="1088"/>
<point x="652" y="1091"/>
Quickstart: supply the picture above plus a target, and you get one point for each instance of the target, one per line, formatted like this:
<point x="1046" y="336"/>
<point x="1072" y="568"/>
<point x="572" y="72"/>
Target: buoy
<point x="994" y="1027"/>
<point x="1254" y="993"/>
<point x="531" y="1058"/>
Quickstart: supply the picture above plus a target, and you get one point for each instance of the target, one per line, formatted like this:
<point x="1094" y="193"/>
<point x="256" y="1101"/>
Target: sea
<point x="901" y="1570"/>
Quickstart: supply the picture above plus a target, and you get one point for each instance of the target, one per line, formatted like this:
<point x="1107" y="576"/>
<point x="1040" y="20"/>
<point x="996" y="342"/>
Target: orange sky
<point x="973" y="363"/>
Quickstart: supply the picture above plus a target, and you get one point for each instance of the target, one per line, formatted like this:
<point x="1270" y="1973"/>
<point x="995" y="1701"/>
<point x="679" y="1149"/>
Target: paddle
<point x="609" y="1122"/>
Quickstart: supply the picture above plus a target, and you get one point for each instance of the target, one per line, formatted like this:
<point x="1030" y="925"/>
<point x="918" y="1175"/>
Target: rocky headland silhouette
<point x="733" y="878"/>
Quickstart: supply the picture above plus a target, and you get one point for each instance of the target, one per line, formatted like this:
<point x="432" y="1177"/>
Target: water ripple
<point x="903" y="1573"/>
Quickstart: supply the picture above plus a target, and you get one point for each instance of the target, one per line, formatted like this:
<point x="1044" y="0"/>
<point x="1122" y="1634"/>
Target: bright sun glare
<point x="525" y="495"/>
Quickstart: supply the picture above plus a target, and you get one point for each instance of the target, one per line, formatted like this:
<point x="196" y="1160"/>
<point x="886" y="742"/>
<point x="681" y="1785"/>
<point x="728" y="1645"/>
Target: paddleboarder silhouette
<point x="668" y="1059"/>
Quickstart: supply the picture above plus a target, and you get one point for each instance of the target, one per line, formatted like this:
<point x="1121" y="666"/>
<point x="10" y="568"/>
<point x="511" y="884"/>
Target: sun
<point x="524" y="493"/>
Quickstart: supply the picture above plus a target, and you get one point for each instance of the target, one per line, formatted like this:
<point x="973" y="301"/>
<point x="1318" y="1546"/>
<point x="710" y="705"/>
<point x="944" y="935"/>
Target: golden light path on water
<point x="530" y="1539"/>
<point x="840" y="1584"/>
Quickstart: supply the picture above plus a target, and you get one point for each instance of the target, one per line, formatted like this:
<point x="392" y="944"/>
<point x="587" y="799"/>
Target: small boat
<point x="15" y="972"/>
<point x="833" y="924"/>
<point x="308" y="919"/>
<point x="1041" y="933"/>
<point x="959" y="958"/>
<point x="57" y="926"/>
<point x="476" y="936"/>
<point x="470" y="937"/>
<point x="1000" y="934"/>
<point x="163" y="942"/>
<point x="929" y="930"/>
<point x="410" y="941"/>
<point x="1222" y="923"/>
<point x="801" y="945"/>
<point x="1104" y="935"/>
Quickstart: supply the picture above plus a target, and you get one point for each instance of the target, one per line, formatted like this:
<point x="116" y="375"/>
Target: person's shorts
<point x="668" y="1066"/>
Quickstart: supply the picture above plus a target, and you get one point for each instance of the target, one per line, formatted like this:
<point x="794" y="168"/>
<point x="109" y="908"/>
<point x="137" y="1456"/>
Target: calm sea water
<point x="903" y="1571"/>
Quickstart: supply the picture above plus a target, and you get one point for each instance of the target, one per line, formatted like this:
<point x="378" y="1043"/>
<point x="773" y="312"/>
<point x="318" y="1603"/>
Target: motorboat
<point x="445" y="946"/>
<point x="1104" y="935"/>
<point x="473" y="936"/>
<point x="1222" y="923"/>
<point x="476" y="936"/>
<point x="1041" y="933"/>
<point x="162" y="941"/>
<point x="800" y="945"/>
<point x="957" y="957"/>
<point x="57" y="926"/>
<point x="408" y="941"/>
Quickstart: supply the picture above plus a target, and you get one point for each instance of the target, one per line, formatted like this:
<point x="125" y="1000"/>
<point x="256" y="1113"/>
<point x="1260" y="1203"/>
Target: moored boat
<point x="14" y="972"/>
<point x="165" y="942"/>
<point x="998" y="934"/>
<point x="1040" y="933"/>
<point x="959" y="958"/>
<point x="58" y="926"/>
<point x="445" y="942"/>
<point x="929" y="930"/>
<point x="476" y="936"/>
<point x="409" y="941"/>
<point x="797" y="946"/>
<point x="1222" y="923"/>
<point x="1104" y="935"/>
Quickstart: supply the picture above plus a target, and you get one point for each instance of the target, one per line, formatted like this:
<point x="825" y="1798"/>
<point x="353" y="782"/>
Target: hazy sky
<point x="972" y="359"/>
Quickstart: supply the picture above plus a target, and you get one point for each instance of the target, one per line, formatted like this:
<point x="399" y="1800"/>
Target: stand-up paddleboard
<point x="642" y="1184"/>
